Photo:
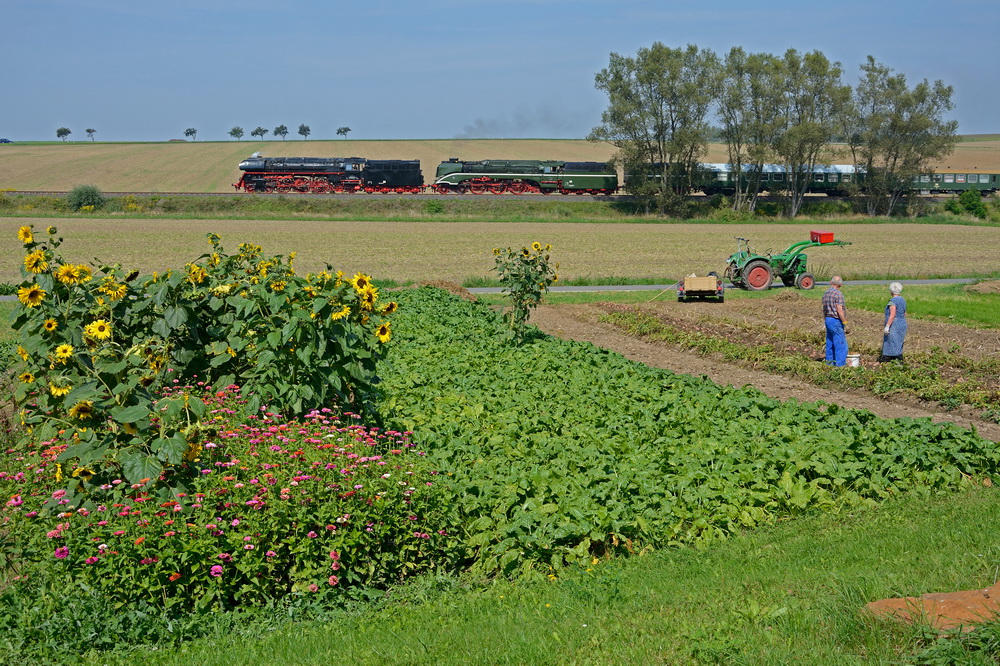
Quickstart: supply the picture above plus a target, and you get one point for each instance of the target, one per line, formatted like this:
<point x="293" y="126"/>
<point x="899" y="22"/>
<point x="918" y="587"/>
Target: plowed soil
<point x="791" y="314"/>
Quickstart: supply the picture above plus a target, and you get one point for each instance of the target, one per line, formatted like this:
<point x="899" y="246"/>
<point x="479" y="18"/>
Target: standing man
<point x="836" y="323"/>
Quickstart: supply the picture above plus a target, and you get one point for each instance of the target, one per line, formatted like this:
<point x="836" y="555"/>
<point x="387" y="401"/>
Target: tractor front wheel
<point x="757" y="276"/>
<point x="805" y="281"/>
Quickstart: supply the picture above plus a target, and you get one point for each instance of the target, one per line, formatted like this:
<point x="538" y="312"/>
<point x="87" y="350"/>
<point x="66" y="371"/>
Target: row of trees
<point x="772" y="109"/>
<point x="64" y="132"/>
<point x="236" y="132"/>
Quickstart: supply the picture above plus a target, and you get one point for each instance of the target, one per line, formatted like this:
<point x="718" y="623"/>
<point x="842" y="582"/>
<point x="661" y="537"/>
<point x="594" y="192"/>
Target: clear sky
<point x="144" y="70"/>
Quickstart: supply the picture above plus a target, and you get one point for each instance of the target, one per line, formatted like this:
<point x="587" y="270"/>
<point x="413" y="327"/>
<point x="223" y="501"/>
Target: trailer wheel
<point x="757" y="275"/>
<point x="805" y="281"/>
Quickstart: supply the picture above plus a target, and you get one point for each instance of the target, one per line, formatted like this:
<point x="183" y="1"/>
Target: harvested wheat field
<point x="213" y="166"/>
<point x="457" y="251"/>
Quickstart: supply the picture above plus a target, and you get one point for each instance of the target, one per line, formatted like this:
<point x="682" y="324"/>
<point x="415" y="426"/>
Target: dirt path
<point x="580" y="322"/>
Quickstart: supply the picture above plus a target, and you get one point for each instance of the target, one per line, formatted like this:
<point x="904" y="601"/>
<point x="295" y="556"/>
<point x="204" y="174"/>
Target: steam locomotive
<point x="357" y="174"/>
<point x="322" y="175"/>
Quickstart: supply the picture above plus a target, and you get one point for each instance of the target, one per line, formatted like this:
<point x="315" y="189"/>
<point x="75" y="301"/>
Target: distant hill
<point x="178" y="166"/>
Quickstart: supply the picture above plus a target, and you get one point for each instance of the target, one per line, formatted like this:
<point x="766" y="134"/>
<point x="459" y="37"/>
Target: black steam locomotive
<point x="319" y="175"/>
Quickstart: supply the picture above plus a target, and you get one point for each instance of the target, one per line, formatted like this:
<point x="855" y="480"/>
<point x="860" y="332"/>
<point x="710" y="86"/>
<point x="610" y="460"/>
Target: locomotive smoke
<point x="524" y="123"/>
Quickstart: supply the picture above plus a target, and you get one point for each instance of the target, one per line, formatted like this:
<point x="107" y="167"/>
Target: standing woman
<point x="894" y="333"/>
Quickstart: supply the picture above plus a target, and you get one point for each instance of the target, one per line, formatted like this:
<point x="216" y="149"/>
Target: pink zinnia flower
<point x="314" y="587"/>
<point x="62" y="553"/>
<point x="91" y="560"/>
<point x="216" y="571"/>
<point x="271" y="553"/>
<point x="333" y="580"/>
<point x="312" y="535"/>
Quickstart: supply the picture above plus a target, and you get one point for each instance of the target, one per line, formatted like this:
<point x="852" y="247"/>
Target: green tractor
<point x="748" y="270"/>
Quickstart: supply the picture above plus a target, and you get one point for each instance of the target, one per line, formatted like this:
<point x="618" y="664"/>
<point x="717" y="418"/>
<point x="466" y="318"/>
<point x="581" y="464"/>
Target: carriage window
<point x="949" y="178"/>
<point x="846" y="178"/>
<point x="723" y="177"/>
<point x="937" y="177"/>
<point x="925" y="178"/>
<point x="778" y="177"/>
<point x="959" y="177"/>
<point x="833" y="178"/>
<point x="973" y="178"/>
<point x="818" y="178"/>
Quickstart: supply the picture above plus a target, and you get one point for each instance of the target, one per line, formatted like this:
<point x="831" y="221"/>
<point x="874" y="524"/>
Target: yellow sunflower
<point x="340" y="314"/>
<point x="100" y="330"/>
<point x="384" y="332"/>
<point x="82" y="410"/>
<point x="22" y="352"/>
<point x="34" y="262"/>
<point x="82" y="473"/>
<point x="360" y="281"/>
<point x="536" y="246"/>
<point x="278" y="285"/>
<point x="59" y="389"/>
<point x="31" y="296"/>
<point x="51" y="231"/>
<point x="368" y="297"/>
<point x="26" y="378"/>
<point x="50" y="325"/>
<point x="24" y="235"/>
<point x="64" y="351"/>
<point x="390" y="307"/>
<point x="66" y="274"/>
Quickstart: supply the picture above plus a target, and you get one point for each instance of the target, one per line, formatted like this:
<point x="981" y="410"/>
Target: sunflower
<point x="368" y="297"/>
<point x="525" y="252"/>
<point x="31" y="296"/>
<point x="390" y="307"/>
<point x="360" y="281"/>
<point x="22" y="352"/>
<point x="100" y="329"/>
<point x="384" y="332"/>
<point x="114" y="290"/>
<point x="51" y="231"/>
<point x="130" y="429"/>
<point x="26" y="378"/>
<point x="50" y="325"/>
<point x="341" y="313"/>
<point x="82" y="410"/>
<point x="64" y="351"/>
<point x="537" y="247"/>
<point x="82" y="473"/>
<point x="278" y="285"/>
<point x="339" y="278"/>
<point x="24" y="235"/>
<point x="66" y="274"/>
<point x="35" y="262"/>
<point x="59" y="390"/>
<point x="83" y="273"/>
<point x="196" y="274"/>
<point x="548" y="247"/>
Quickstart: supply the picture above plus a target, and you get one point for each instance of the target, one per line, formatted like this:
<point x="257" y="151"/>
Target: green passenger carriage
<point x="524" y="176"/>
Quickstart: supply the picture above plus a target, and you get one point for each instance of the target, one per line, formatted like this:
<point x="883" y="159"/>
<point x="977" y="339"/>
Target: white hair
<point x="895" y="288"/>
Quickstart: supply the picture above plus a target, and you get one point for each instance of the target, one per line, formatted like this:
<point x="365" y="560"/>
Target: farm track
<point x="580" y="322"/>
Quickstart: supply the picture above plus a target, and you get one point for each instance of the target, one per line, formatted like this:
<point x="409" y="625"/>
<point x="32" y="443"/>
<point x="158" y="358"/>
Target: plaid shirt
<point x="831" y="299"/>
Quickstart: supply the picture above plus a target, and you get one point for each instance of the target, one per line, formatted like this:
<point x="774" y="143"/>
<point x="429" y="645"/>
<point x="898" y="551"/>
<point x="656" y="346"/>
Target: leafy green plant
<point x="96" y="349"/>
<point x="525" y="275"/>
<point x="83" y="196"/>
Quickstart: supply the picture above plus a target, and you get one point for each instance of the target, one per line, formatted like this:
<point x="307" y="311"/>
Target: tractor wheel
<point x="805" y="281"/>
<point x="757" y="276"/>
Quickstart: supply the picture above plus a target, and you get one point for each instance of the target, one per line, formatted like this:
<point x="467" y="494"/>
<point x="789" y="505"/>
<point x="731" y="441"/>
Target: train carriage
<point x="321" y="175"/>
<point x="524" y="176"/>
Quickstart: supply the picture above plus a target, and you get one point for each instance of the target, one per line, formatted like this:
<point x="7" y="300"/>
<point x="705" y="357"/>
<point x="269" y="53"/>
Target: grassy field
<point x="460" y="251"/>
<point x="213" y="166"/>
<point x="784" y="595"/>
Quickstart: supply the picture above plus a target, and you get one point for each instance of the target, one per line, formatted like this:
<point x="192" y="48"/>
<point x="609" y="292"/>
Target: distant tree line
<point x="768" y="109"/>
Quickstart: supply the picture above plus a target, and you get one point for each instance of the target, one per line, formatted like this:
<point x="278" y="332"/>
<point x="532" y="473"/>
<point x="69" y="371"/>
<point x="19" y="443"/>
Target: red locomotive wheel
<point x="498" y="188"/>
<point x="517" y="188"/>
<point x="477" y="188"/>
<point x="443" y="189"/>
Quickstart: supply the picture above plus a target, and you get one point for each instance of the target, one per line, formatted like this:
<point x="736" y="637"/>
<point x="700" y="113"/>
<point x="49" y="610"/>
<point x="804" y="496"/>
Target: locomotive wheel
<point x="268" y="189"/>
<point x="498" y="188"/>
<point x="443" y="189"/>
<point x="517" y="188"/>
<point x="757" y="275"/>
<point x="477" y="188"/>
<point x="805" y="281"/>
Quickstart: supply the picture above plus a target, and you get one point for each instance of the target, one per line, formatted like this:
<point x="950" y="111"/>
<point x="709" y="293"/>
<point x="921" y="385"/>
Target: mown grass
<point x="787" y="594"/>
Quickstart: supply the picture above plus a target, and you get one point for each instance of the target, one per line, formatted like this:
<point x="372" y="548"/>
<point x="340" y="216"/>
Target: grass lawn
<point x="787" y="594"/>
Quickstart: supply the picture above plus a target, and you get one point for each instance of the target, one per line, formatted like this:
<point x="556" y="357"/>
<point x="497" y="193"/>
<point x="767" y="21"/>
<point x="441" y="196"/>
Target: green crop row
<point x="558" y="452"/>
<point x="921" y="376"/>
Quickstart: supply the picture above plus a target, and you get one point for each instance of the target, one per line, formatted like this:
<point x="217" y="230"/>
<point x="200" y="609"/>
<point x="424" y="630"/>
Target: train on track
<point x="325" y="175"/>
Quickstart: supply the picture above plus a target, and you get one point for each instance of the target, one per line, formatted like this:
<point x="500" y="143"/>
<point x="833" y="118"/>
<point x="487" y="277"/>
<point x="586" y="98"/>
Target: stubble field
<point x="213" y="166"/>
<point x="458" y="251"/>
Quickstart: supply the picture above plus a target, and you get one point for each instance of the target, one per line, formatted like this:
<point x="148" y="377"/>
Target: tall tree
<point x="91" y="133"/>
<point x="342" y="131"/>
<point x="748" y="106"/>
<point x="894" y="132"/>
<point x="236" y="132"/>
<point x="813" y="107"/>
<point x="304" y="131"/>
<point x="281" y="131"/>
<point x="63" y="132"/>
<point x="259" y="132"/>
<point x="191" y="132"/>
<point x="657" y="112"/>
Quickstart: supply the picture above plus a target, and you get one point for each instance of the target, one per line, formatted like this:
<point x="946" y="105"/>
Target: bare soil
<point x="791" y="313"/>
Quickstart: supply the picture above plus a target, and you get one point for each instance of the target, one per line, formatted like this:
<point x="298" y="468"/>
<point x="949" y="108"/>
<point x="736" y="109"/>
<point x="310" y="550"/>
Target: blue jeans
<point x="836" y="342"/>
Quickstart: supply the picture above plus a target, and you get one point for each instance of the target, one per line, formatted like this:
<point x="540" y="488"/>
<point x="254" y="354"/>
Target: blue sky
<point x="137" y="70"/>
